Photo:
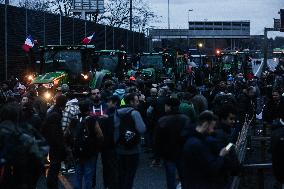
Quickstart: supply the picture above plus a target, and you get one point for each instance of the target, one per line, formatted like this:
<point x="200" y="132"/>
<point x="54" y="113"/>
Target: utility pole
<point x="169" y="14"/>
<point x="130" y="10"/>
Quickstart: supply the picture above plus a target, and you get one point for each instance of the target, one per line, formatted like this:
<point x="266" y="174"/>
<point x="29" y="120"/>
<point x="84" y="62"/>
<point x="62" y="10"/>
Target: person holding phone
<point x="201" y="165"/>
<point x="225" y="136"/>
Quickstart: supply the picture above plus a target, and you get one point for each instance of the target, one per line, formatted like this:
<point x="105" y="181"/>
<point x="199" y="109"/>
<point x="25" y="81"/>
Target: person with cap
<point x="168" y="141"/>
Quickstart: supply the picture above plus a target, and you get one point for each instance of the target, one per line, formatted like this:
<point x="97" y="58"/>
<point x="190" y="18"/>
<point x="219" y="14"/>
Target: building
<point x="213" y="34"/>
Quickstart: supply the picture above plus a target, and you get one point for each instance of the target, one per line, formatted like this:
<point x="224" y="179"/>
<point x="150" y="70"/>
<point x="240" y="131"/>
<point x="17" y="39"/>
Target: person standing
<point x="52" y="131"/>
<point x="86" y="135"/>
<point x="168" y="140"/>
<point x="129" y="126"/>
<point x="108" y="153"/>
<point x="201" y="165"/>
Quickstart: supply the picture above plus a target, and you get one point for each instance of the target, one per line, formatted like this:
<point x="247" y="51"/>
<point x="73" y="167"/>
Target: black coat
<point x="168" y="137"/>
<point x="53" y="133"/>
<point x="201" y="165"/>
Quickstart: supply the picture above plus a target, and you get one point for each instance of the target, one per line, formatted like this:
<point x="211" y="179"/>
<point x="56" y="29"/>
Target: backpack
<point x="84" y="138"/>
<point x="129" y="137"/>
<point x="20" y="146"/>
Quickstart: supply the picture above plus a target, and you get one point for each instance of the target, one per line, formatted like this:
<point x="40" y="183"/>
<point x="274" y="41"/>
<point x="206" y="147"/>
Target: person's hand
<point x="104" y="116"/>
<point x="142" y="97"/>
<point x="223" y="152"/>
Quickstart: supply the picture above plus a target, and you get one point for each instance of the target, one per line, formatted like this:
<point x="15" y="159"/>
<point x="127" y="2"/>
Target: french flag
<point x="87" y="40"/>
<point x="29" y="43"/>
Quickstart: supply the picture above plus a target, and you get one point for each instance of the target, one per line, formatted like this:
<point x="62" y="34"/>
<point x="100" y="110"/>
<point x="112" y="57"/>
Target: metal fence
<point x="50" y="29"/>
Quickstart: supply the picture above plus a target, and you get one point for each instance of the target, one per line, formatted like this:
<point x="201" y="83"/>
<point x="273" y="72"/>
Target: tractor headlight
<point x="47" y="95"/>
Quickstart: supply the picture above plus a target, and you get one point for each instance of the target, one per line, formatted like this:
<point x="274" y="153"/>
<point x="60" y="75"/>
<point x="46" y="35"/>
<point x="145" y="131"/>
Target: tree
<point x="62" y="7"/>
<point x="39" y="5"/>
<point x="117" y="14"/>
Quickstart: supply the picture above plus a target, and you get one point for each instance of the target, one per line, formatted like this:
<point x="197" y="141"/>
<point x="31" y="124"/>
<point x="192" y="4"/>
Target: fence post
<point x="60" y="41"/>
<point x="112" y="37"/>
<point x="6" y="40"/>
<point x="44" y="28"/>
<point x="26" y="21"/>
<point x="105" y="38"/>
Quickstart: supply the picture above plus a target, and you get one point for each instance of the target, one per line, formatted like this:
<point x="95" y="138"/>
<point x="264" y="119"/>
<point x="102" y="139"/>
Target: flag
<point x="87" y="40"/>
<point x="29" y="43"/>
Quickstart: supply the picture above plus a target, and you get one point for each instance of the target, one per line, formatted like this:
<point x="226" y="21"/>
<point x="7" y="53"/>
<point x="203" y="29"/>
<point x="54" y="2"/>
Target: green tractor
<point x="66" y="64"/>
<point x="154" y="67"/>
<point x="110" y="64"/>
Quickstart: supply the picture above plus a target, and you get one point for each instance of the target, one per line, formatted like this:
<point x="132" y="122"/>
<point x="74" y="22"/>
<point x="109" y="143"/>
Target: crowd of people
<point x="186" y="129"/>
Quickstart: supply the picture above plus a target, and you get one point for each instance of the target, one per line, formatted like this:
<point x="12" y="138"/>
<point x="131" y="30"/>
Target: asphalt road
<point x="146" y="178"/>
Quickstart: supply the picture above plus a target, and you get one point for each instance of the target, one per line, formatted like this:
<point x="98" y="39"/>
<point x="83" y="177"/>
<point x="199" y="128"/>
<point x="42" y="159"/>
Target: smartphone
<point x="229" y="146"/>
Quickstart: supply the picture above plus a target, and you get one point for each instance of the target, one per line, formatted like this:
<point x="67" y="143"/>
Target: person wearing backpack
<point x="84" y="139"/>
<point x="129" y="126"/>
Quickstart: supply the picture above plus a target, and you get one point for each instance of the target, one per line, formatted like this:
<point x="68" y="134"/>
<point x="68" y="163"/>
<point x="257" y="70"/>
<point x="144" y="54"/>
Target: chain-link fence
<point x="50" y="29"/>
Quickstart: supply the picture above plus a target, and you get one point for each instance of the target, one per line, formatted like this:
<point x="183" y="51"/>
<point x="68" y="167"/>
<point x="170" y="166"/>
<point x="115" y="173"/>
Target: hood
<point x="123" y="111"/>
<point x="119" y="92"/>
<point x="71" y="102"/>
<point x="48" y="77"/>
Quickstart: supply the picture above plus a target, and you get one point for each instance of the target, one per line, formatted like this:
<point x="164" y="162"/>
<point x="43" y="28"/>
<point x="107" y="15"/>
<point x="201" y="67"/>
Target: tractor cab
<point x="65" y="64"/>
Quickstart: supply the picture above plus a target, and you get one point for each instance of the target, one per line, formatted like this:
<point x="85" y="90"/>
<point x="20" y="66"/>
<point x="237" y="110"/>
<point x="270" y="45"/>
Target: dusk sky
<point x="259" y="12"/>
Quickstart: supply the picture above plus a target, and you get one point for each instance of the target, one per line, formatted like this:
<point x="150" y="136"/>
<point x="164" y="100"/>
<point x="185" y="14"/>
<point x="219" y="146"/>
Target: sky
<point x="259" y="12"/>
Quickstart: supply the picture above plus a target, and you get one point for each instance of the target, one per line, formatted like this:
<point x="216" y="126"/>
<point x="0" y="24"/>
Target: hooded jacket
<point x="139" y="125"/>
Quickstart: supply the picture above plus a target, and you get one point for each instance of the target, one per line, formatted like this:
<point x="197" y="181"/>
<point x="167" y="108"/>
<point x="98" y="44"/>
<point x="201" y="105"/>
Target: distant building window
<point x="226" y="23"/>
<point x="218" y="23"/>
<point x="236" y="24"/>
<point x="246" y="24"/>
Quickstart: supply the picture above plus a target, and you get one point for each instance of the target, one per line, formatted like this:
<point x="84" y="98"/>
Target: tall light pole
<point x="169" y="27"/>
<point x="189" y="10"/>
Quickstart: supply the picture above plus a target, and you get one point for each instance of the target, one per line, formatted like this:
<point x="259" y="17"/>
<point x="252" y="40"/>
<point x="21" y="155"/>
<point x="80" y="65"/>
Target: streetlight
<point x="200" y="45"/>
<point x="189" y="10"/>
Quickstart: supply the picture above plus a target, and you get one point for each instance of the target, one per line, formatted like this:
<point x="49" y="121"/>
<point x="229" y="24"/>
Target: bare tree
<point x="39" y="5"/>
<point x="62" y="7"/>
<point x="117" y="14"/>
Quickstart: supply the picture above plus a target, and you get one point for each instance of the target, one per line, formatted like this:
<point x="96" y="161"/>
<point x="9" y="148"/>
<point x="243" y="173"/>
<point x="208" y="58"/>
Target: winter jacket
<point x="139" y="125"/>
<point x="52" y="131"/>
<point x="168" y="140"/>
<point x="200" y="164"/>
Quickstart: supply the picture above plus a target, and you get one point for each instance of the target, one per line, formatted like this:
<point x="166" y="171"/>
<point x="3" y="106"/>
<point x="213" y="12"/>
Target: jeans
<point x="86" y="169"/>
<point x="172" y="168"/>
<point x="127" y="166"/>
<point x="110" y="169"/>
